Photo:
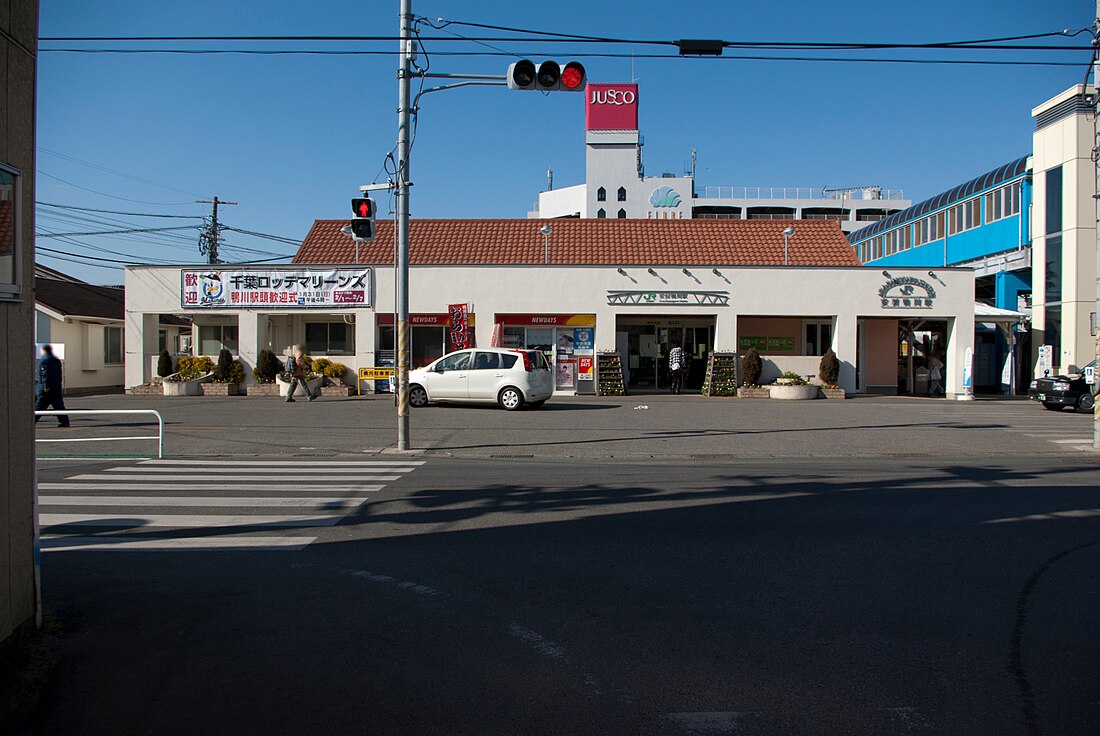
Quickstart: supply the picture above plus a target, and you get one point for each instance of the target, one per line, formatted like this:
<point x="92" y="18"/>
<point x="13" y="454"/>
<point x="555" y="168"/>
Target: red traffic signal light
<point x="362" y="207"/>
<point x="573" y="77"/>
<point x="547" y="77"/>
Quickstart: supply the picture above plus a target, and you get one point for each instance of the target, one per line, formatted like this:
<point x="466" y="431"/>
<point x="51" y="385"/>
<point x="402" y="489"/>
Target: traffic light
<point x="549" y="76"/>
<point x="362" y="224"/>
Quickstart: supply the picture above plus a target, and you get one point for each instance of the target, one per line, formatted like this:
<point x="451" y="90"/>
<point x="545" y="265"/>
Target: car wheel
<point x="1086" y="403"/>
<point x="511" y="398"/>
<point x="1052" y="407"/>
<point x="417" y="396"/>
<point x="536" y="404"/>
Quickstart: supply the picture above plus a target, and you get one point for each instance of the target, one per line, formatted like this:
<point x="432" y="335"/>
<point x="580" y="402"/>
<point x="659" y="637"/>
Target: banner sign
<point x="461" y="337"/>
<point x="583" y="339"/>
<point x="584" y="368"/>
<point x="218" y="288"/>
<point x="538" y="320"/>
<point x="375" y="374"/>
<point x="611" y="107"/>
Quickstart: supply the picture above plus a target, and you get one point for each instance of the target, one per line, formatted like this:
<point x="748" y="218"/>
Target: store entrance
<point x="922" y="357"/>
<point x="645" y="343"/>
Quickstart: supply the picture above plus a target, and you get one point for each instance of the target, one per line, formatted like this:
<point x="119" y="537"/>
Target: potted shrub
<point x="829" y="372"/>
<point x="164" y="364"/>
<point x="751" y="368"/>
<point x="334" y="378"/>
<point x="792" y="387"/>
<point x="191" y="373"/>
<point x="264" y="373"/>
<point x="228" y="376"/>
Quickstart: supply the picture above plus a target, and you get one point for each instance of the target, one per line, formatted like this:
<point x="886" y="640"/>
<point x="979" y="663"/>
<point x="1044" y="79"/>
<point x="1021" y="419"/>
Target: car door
<point x="449" y="378"/>
<point x="486" y="375"/>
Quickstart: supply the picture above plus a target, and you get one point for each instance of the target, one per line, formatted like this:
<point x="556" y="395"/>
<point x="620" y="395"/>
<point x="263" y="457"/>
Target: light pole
<point x="546" y="230"/>
<point x="788" y="233"/>
<point x="404" y="115"/>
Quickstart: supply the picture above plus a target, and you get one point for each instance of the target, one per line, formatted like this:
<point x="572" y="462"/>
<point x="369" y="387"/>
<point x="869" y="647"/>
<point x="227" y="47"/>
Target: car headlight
<point x="1059" y="386"/>
<point x="1035" y="384"/>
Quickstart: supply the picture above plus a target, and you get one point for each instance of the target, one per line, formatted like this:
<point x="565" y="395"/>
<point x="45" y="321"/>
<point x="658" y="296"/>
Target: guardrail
<point x="85" y="412"/>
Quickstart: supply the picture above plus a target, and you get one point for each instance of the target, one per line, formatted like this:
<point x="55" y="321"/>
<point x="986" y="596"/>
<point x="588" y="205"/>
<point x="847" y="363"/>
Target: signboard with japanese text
<point x="221" y="288"/>
<point x="584" y="339"/>
<point x="461" y="337"/>
<point x="584" y="368"/>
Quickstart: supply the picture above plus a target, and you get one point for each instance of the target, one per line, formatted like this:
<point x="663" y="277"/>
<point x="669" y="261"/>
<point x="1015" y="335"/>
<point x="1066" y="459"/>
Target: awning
<point x="986" y="313"/>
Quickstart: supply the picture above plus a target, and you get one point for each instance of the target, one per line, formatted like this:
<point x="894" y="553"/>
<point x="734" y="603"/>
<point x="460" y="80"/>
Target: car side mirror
<point x="438" y="369"/>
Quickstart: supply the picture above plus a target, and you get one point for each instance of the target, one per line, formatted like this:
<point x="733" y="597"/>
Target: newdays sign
<point x="611" y="107"/>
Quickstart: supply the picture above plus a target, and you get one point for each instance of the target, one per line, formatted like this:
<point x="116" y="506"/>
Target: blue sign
<point x="583" y="339"/>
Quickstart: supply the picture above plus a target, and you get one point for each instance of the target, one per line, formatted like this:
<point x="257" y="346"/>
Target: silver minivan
<point x="511" y="378"/>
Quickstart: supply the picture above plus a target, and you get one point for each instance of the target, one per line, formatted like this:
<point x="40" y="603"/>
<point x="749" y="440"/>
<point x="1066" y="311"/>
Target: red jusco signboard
<point x="221" y="288"/>
<point x="611" y="107"/>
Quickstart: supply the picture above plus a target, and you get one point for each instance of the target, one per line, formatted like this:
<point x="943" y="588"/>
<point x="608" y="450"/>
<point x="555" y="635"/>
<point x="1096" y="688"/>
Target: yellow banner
<point x="375" y="374"/>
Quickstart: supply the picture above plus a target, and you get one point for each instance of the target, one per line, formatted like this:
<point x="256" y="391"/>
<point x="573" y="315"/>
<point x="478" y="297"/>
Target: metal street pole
<point x="1095" y="152"/>
<point x="404" y="115"/>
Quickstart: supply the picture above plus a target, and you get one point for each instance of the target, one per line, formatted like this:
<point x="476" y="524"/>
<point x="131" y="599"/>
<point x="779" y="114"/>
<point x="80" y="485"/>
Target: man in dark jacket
<point x="49" y="386"/>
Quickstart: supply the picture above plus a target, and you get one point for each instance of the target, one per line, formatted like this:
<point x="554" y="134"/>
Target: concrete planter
<point x="262" y="389"/>
<point x="753" y="393"/>
<point x="185" y="388"/>
<point x="220" y="389"/>
<point x="793" y="393"/>
<point x="284" y="387"/>
<point x="339" y="389"/>
<point x="833" y="393"/>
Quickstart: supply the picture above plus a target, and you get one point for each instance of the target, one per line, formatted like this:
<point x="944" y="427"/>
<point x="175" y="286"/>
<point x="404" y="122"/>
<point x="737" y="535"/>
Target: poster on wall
<point x="564" y="373"/>
<point x="461" y="337"/>
<point x="583" y="339"/>
<point x="781" y="344"/>
<point x="222" y="288"/>
<point x="584" y="368"/>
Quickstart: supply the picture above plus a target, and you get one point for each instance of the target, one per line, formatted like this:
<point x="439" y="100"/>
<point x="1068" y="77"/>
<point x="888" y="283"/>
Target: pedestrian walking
<point x="935" y="376"/>
<point x="676" y="367"/>
<point x="298" y="367"/>
<point x="49" y="386"/>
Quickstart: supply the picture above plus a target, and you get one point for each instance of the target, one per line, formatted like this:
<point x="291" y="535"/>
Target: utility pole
<point x="1095" y="153"/>
<point x="404" y="115"/>
<point x="208" y="240"/>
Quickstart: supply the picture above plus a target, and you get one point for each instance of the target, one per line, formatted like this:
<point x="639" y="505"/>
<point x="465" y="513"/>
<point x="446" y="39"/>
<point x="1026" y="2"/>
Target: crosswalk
<point x="208" y="504"/>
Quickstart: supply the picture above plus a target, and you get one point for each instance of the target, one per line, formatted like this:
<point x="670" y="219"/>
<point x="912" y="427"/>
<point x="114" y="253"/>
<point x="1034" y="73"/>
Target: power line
<point x="123" y="174"/>
<point x="79" y="262"/>
<point x="120" y="232"/>
<point x="91" y="258"/>
<point x="115" y="212"/>
<point x="112" y="196"/>
<point x="277" y="238"/>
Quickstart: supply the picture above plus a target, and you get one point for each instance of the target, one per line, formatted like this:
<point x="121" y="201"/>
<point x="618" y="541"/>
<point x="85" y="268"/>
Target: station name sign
<point x="220" y="288"/>
<point x="670" y="298"/>
<point x="907" y="292"/>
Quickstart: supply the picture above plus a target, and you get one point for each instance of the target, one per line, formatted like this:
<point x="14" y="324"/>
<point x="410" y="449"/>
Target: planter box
<point x="284" y="387"/>
<point x="753" y="393"/>
<point x="262" y="389"/>
<point x="338" y="390"/>
<point x="219" y="389"/>
<point x="185" y="388"/>
<point x="833" y="393"/>
<point x="794" y="393"/>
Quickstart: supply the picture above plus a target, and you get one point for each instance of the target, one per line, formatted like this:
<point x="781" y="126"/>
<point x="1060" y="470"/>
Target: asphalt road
<point x="505" y="596"/>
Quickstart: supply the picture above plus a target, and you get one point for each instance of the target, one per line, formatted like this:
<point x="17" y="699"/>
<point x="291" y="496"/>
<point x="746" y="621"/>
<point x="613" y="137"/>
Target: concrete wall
<point x="83" y="366"/>
<point x="844" y="295"/>
<point x="881" y="361"/>
<point x="18" y="41"/>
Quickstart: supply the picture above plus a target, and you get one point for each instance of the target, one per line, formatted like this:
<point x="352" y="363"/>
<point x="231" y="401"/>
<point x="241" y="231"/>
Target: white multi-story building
<point x="616" y="185"/>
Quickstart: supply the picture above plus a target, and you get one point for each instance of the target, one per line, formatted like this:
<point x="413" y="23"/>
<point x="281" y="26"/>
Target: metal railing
<point x="870" y="194"/>
<point x="85" y="412"/>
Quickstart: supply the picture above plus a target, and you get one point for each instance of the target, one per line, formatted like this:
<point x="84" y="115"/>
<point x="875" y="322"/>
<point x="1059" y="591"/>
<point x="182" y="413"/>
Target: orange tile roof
<point x="589" y="242"/>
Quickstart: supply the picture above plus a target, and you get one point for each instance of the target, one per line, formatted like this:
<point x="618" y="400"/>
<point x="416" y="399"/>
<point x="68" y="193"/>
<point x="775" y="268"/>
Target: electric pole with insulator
<point x="211" y="237"/>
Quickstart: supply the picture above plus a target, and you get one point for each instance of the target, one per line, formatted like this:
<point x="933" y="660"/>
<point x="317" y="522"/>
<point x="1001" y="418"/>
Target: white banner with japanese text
<point x="223" y="288"/>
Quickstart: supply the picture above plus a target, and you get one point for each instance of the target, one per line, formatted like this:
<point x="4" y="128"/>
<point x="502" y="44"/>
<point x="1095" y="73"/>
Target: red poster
<point x="461" y="337"/>
<point x="584" y="367"/>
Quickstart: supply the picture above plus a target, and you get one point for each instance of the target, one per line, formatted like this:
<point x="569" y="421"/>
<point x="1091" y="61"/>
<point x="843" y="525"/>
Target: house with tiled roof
<point x="578" y="290"/>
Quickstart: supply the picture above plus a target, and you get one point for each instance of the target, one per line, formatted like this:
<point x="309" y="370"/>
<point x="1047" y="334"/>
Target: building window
<point x="112" y="346"/>
<point x="212" y="338"/>
<point x="1054" y="201"/>
<point x="1003" y="202"/>
<point x="601" y="213"/>
<point x="329" y="338"/>
<point x="965" y="216"/>
<point x="9" y="231"/>
<point x="1053" y="276"/>
<point x="818" y="337"/>
<point x="622" y="214"/>
<point x="622" y="194"/>
<point x="601" y="195"/>
<point x="162" y="340"/>
<point x="929" y="229"/>
<point x="895" y="241"/>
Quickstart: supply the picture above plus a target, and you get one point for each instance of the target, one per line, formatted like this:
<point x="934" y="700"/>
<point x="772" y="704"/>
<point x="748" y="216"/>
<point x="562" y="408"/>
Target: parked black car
<point x="1058" y="392"/>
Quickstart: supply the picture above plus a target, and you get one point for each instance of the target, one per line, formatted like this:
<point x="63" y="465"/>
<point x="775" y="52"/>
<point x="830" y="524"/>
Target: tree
<point x="829" y="369"/>
<point x="164" y="364"/>
<point x="751" y="367"/>
<point x="225" y="365"/>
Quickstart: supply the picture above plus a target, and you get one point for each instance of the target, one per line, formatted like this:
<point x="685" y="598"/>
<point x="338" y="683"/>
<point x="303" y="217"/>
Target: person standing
<point x="676" y="367"/>
<point x="935" y="376"/>
<point x="49" y="386"/>
<point x="298" y="367"/>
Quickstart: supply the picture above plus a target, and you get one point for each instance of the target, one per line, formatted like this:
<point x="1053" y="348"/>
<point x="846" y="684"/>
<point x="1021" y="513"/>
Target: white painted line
<point x="312" y="503"/>
<point x="183" y="520"/>
<point x="293" y="463"/>
<point x="330" y="469"/>
<point x="1050" y="435"/>
<point x="196" y="479"/>
<point x="1074" y="441"/>
<point x="205" y="544"/>
<point x="234" y="488"/>
<point x="1072" y="514"/>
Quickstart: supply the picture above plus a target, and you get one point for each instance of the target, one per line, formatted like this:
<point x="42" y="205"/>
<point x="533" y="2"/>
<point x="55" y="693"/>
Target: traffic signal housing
<point x="362" y="222"/>
<point x="548" y="76"/>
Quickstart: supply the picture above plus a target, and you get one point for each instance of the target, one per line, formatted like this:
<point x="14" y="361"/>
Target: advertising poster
<point x="461" y="338"/>
<point x="584" y="339"/>
<point x="781" y="344"/>
<point x="585" y="368"/>
<point x="564" y="373"/>
<point x="759" y="343"/>
<point x="219" y="288"/>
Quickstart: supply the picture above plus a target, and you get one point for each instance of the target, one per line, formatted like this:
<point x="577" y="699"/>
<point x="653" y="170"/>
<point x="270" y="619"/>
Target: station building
<point x="1028" y="231"/>
<point x="617" y="187"/>
<point x="634" y="286"/>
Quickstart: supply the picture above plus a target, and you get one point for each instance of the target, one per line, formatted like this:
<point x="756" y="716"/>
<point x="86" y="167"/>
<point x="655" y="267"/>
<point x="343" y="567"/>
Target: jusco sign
<point x="611" y="107"/>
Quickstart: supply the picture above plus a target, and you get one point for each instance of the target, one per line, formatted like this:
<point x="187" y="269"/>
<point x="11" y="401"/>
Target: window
<point x="1053" y="278"/>
<point x="385" y="337"/>
<point x="818" y="338"/>
<point x="895" y="241"/>
<point x="601" y="195"/>
<point x="601" y="213"/>
<point x="162" y="340"/>
<point x="486" y="361"/>
<point x="329" y="338"/>
<point x="929" y="229"/>
<point x="622" y="214"/>
<point x="1054" y="201"/>
<point x="456" y="362"/>
<point x="965" y="216"/>
<point x="622" y="194"/>
<point x="1003" y="202"/>
<point x="9" y="231"/>
<point x="112" y="346"/>
<point x="212" y="338"/>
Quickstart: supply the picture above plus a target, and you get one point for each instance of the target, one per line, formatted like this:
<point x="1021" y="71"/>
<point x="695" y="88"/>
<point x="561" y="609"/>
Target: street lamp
<point x="546" y="230"/>
<point x="788" y="233"/>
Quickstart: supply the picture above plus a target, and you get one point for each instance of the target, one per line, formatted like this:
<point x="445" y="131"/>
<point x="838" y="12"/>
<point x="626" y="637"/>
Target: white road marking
<point x="268" y="487"/>
<point x="206" y="544"/>
<point x="314" y="503"/>
<point x="199" y="521"/>
<point x="1072" y="514"/>
<point x="1074" y="441"/>
<point x="328" y="469"/>
<point x="286" y="463"/>
<point x="196" y="478"/>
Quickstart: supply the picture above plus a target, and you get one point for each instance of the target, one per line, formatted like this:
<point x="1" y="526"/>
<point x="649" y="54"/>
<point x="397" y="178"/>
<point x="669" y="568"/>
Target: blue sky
<point x="292" y="137"/>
